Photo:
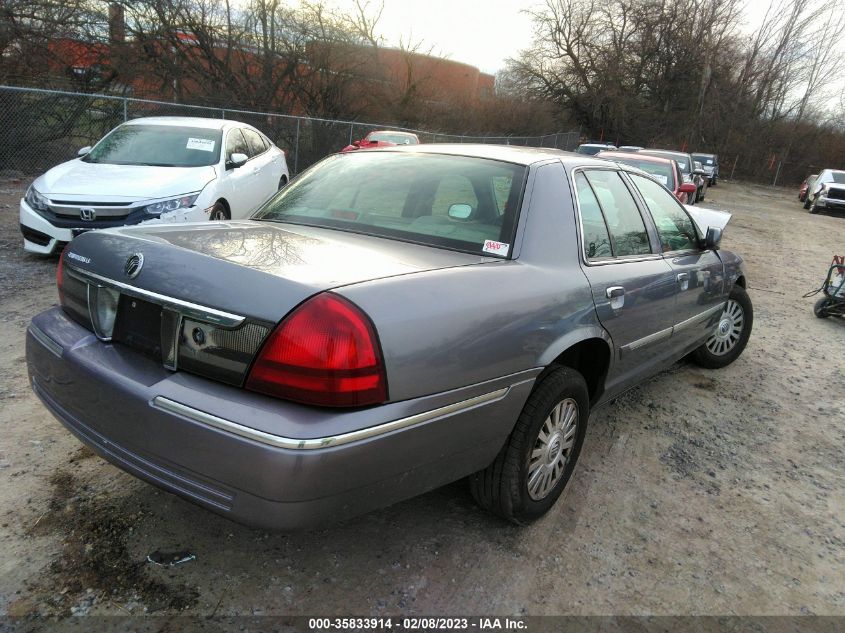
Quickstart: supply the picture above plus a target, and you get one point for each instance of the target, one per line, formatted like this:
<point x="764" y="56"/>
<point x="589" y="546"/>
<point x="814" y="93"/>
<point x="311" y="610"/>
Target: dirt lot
<point x="700" y="492"/>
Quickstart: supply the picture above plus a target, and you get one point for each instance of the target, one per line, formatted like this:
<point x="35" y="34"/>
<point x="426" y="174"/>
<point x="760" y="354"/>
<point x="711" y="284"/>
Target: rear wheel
<point x="533" y="467"/>
<point x="731" y="334"/>
<point x="219" y="212"/>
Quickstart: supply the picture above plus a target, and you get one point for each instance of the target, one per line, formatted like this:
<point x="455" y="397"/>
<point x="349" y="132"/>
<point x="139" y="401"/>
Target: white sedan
<point x="156" y="169"/>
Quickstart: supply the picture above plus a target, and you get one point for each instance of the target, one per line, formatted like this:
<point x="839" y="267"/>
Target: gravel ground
<point x="699" y="492"/>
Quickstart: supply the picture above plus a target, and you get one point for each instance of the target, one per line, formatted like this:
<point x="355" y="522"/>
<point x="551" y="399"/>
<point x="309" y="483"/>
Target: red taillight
<point x="325" y="353"/>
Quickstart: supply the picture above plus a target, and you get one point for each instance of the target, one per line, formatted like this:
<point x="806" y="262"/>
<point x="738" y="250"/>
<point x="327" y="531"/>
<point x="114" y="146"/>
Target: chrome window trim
<point x="583" y="254"/>
<point x="42" y="337"/>
<point x="187" y="308"/>
<point x="280" y="441"/>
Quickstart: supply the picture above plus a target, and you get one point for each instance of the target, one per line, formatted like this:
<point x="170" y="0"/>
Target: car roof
<point x="703" y="154"/>
<point x="635" y="155"/>
<point x="520" y="155"/>
<point x="669" y="152"/>
<point x="186" y="121"/>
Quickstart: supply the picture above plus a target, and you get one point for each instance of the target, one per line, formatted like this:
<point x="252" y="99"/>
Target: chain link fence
<point x="42" y="128"/>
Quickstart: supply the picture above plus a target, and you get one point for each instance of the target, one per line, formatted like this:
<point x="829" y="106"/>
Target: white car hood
<point x="78" y="180"/>
<point x="705" y="218"/>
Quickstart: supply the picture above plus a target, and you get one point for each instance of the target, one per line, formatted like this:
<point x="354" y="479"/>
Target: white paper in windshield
<point x="497" y="248"/>
<point x="682" y="165"/>
<point x="661" y="179"/>
<point x="202" y="144"/>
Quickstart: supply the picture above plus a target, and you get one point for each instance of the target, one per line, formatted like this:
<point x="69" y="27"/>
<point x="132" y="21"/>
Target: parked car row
<point x="688" y="177"/>
<point x="823" y="191"/>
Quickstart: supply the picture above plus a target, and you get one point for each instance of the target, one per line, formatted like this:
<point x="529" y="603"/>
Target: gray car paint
<point x="451" y="325"/>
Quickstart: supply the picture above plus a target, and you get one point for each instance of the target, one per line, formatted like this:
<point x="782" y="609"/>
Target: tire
<point x="820" y="308"/>
<point x="713" y="182"/>
<point x="726" y="344"/>
<point x="282" y="182"/>
<point x="219" y="212"/>
<point x="813" y="208"/>
<point x="807" y="202"/>
<point x="504" y="487"/>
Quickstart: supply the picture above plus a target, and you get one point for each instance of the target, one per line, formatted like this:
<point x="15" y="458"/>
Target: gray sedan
<point x="391" y="321"/>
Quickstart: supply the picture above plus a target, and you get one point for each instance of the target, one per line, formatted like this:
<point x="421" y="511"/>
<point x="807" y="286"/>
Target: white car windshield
<point x="158" y="146"/>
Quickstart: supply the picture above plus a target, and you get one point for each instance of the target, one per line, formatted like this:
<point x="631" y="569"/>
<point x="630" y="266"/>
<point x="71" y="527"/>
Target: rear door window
<point x="624" y="223"/>
<point x="594" y="229"/>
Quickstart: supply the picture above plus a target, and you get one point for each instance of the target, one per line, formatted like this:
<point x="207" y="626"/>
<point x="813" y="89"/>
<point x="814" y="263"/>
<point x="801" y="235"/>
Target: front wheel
<point x="731" y="335"/>
<point x="536" y="462"/>
<point x="814" y="208"/>
<point x="219" y="212"/>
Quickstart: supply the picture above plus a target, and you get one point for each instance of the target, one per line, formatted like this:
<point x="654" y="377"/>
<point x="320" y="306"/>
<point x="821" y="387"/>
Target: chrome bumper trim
<point x="186" y="308"/>
<point x="51" y="345"/>
<point x="278" y="441"/>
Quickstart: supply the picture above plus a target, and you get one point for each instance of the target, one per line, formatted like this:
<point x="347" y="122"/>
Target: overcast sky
<point x="483" y="33"/>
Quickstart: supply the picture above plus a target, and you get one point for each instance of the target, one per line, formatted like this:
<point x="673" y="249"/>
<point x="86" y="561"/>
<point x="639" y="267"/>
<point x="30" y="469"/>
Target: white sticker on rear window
<point x="682" y="165"/>
<point x="497" y="248"/>
<point x="661" y="178"/>
<point x="202" y="144"/>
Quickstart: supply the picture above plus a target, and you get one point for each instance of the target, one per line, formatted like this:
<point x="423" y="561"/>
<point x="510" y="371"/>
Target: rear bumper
<point x="170" y="429"/>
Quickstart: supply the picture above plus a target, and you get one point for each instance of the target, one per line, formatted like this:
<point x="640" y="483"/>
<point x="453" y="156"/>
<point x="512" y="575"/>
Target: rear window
<point x="394" y="137"/>
<point x="158" y="145"/>
<point x="662" y="172"/>
<point x="456" y="202"/>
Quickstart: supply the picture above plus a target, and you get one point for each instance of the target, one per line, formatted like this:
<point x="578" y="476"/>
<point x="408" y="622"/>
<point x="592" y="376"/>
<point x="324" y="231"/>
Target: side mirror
<point x="699" y="172"/>
<point x="84" y="151"/>
<point x="356" y="143"/>
<point x="713" y="237"/>
<point x="237" y="160"/>
<point x="688" y="187"/>
<point x="460" y="211"/>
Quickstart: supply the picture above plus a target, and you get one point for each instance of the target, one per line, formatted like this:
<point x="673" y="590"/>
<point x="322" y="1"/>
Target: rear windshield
<point x="456" y="202"/>
<point x="158" y="145"/>
<point x="662" y="172"/>
<point x="393" y="137"/>
<point x="682" y="159"/>
<point x="704" y="159"/>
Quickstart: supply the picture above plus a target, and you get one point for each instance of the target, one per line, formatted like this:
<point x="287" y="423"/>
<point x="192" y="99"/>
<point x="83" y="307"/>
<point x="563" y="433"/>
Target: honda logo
<point x="87" y="214"/>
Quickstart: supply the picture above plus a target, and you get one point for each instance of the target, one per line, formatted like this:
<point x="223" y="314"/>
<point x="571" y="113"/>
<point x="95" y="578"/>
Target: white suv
<point x="156" y="169"/>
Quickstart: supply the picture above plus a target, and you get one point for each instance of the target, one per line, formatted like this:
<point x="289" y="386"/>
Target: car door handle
<point x="682" y="277"/>
<point x="616" y="294"/>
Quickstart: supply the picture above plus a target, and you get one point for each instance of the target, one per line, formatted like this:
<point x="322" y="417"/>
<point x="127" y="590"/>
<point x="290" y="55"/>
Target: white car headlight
<point x="36" y="200"/>
<point x="172" y="204"/>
